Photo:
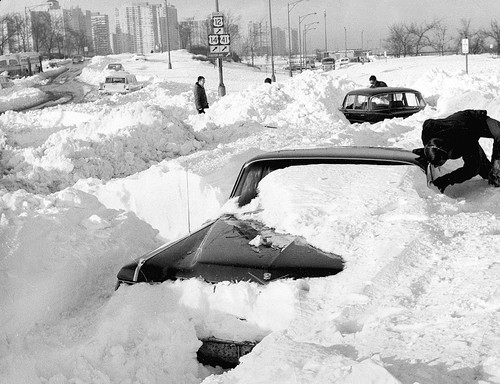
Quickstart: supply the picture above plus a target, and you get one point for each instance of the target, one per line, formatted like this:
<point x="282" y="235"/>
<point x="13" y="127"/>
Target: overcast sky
<point x="351" y="19"/>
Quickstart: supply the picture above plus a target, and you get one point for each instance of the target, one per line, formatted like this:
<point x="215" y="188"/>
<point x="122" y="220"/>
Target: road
<point x="64" y="88"/>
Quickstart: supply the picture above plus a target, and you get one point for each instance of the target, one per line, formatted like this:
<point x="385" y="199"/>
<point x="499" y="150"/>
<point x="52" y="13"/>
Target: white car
<point x="120" y="82"/>
<point x="140" y="56"/>
<point x="343" y="61"/>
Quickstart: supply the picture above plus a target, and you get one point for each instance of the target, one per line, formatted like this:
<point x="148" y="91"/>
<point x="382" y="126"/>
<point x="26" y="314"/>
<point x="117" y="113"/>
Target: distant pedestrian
<point x="268" y="80"/>
<point x="374" y="83"/>
<point x="200" y="97"/>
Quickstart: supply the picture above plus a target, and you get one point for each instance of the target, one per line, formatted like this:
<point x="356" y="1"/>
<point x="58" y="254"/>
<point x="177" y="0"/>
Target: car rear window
<point x="115" y="80"/>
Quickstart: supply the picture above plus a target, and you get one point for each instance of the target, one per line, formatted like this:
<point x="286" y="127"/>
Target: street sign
<point x="218" y="40"/>
<point x="465" y="45"/>
<point x="224" y="39"/>
<point x="218" y="20"/>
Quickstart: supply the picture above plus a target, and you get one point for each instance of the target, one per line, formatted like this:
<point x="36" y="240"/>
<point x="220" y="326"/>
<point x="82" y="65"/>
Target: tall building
<point x="194" y="32"/>
<point x="142" y="27"/>
<point x="258" y="38"/>
<point x="279" y="41"/>
<point x="169" y="31"/>
<point x="100" y="34"/>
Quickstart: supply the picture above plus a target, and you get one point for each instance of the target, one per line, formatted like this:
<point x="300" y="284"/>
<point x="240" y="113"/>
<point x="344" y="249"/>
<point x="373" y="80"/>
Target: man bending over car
<point x="457" y="136"/>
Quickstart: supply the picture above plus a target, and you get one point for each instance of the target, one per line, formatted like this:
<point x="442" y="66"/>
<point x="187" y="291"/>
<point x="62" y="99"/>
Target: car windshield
<point x="331" y="206"/>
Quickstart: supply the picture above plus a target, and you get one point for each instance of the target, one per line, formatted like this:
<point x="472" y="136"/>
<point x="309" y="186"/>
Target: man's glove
<point x="442" y="182"/>
<point x="494" y="175"/>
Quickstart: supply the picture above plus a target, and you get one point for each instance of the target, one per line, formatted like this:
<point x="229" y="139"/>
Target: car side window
<point x="361" y="102"/>
<point x="380" y="101"/>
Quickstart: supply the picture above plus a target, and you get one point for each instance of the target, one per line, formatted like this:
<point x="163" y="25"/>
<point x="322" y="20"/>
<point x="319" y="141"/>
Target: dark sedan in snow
<point x="222" y="250"/>
<point x="240" y="248"/>
<point x="372" y="105"/>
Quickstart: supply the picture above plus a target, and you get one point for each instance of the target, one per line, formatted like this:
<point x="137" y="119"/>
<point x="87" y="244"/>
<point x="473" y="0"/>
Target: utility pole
<point x="326" y="43"/>
<point x="273" y="76"/>
<point x="222" y="87"/>
<point x="168" y="36"/>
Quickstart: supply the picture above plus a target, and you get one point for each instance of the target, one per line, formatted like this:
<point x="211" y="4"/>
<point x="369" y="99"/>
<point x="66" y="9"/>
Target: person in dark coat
<point x="374" y="83"/>
<point x="457" y="136"/>
<point x="200" y="97"/>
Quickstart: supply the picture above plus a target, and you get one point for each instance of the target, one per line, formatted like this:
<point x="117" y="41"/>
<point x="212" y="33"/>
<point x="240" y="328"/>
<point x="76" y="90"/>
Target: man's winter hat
<point x="372" y="78"/>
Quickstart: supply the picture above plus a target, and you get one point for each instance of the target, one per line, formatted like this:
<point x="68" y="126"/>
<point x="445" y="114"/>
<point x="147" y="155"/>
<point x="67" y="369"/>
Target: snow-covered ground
<point x="87" y="187"/>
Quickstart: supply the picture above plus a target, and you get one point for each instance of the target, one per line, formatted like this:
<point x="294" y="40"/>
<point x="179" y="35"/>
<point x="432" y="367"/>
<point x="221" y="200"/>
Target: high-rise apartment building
<point x="100" y="33"/>
<point x="195" y="32"/>
<point x="142" y="27"/>
<point x="279" y="41"/>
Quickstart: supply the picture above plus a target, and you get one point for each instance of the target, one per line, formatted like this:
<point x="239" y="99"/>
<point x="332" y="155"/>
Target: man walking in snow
<point x="457" y="136"/>
<point x="200" y="97"/>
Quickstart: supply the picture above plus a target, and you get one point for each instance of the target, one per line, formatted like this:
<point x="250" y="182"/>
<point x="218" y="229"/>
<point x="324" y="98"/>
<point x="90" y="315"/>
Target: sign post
<point x="465" y="50"/>
<point x="218" y="45"/>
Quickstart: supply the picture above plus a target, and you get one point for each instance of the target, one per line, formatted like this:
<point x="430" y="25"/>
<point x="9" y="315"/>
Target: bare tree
<point x="19" y="28"/>
<point x="251" y="44"/>
<point x="41" y="31"/>
<point x="231" y="25"/>
<point x="401" y="41"/>
<point x="80" y="40"/>
<point x="186" y="33"/>
<point x="8" y="31"/>
<point x="477" y="38"/>
<point x="421" y="33"/>
<point x="494" y="33"/>
<point x="440" y="40"/>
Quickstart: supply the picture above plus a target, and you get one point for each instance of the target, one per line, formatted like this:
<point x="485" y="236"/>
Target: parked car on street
<point x="343" y="61"/>
<point x="140" y="57"/>
<point x="115" y="67"/>
<point x="376" y="104"/>
<point x="328" y="64"/>
<point x="119" y="82"/>
<point x="238" y="248"/>
<point x="77" y="59"/>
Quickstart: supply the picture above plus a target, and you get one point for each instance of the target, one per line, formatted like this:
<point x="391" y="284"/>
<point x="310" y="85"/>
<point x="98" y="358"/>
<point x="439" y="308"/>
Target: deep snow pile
<point x="89" y="186"/>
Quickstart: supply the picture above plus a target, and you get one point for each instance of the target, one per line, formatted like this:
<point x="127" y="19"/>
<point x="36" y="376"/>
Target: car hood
<point x="236" y="250"/>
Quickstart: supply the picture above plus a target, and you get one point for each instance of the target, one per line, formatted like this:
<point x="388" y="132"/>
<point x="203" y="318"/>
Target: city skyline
<point x="359" y="23"/>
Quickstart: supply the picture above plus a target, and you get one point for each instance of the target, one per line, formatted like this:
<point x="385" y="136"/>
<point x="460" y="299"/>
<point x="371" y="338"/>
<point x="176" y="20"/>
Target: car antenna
<point x="188" y="208"/>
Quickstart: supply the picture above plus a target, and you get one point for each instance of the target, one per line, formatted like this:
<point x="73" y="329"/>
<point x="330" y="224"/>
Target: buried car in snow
<point x="376" y="104"/>
<point x="119" y="82"/>
<point x="239" y="247"/>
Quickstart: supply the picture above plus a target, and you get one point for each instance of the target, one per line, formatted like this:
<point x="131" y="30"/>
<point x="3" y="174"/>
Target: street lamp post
<point x="306" y="29"/>
<point x="168" y="35"/>
<point x="345" y="41"/>
<point x="326" y="43"/>
<point x="301" y="18"/>
<point x="273" y="76"/>
<point x="292" y="4"/>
